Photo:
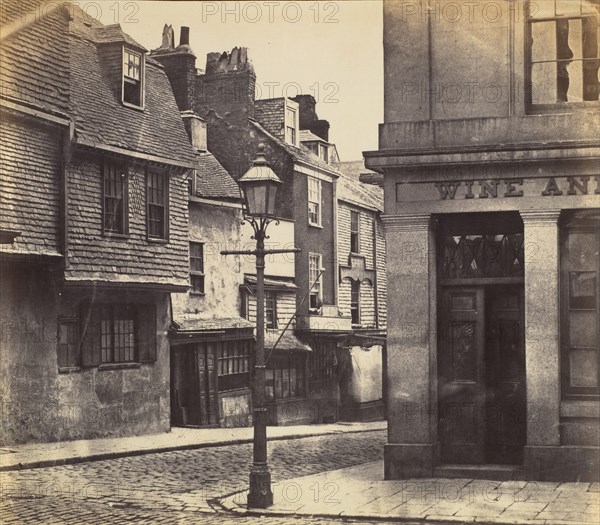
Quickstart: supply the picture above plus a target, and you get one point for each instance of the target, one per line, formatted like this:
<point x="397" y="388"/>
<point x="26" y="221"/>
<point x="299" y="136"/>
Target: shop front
<point x="492" y="350"/>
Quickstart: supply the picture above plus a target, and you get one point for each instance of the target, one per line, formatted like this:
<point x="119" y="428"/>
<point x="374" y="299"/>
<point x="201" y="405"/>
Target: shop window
<point x="579" y="301"/>
<point x="315" y="280"/>
<point x="68" y="343"/>
<point x="197" y="267"/>
<point x="562" y="51"/>
<point x="270" y="310"/>
<point x="355" y="301"/>
<point x="115" y="182"/>
<point x="118" y="333"/>
<point x="157" y="192"/>
<point x="322" y="362"/>
<point x="354" y="232"/>
<point x="233" y="359"/>
<point x="285" y="378"/>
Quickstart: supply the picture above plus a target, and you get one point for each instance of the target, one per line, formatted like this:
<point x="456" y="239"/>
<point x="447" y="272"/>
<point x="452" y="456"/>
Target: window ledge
<point x="198" y="294"/>
<point x="68" y="369"/>
<point x="313" y="225"/>
<point x="116" y="236"/>
<point x="119" y="366"/>
<point x="158" y="240"/>
<point x="235" y="391"/>
<point x="132" y="106"/>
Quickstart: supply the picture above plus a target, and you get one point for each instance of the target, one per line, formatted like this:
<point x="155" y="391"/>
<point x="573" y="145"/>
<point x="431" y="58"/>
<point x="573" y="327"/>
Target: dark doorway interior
<point x="481" y="346"/>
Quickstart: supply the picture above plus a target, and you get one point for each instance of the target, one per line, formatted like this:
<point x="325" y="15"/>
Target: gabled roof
<point x="351" y="190"/>
<point x="213" y="180"/>
<point x="101" y="119"/>
<point x="301" y="153"/>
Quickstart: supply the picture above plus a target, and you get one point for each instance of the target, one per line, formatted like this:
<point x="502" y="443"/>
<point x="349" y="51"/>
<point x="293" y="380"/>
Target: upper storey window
<point x="133" y="78"/>
<point x="291" y="124"/>
<point x="562" y="52"/>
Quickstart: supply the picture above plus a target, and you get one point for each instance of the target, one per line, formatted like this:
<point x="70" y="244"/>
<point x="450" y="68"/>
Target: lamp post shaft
<point x="260" y="494"/>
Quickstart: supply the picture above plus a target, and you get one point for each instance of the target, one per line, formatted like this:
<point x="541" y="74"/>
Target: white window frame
<point x="353" y="232"/>
<point x="315" y="263"/>
<point x="126" y="77"/>
<point x="314" y="198"/>
<point x="292" y="129"/>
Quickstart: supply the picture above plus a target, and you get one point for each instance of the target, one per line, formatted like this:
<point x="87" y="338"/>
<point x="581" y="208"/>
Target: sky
<point x="331" y="50"/>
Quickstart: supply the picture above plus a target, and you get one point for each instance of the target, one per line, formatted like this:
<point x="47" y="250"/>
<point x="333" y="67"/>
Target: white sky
<point x="332" y="50"/>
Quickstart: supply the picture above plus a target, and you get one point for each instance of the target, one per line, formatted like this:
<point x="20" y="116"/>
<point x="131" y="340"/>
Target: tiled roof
<point x="308" y="136"/>
<point x="100" y="117"/>
<point x="302" y="153"/>
<point x="194" y="324"/>
<point x="270" y="114"/>
<point x="114" y="33"/>
<point x="350" y="189"/>
<point x="288" y="341"/>
<point x="213" y="180"/>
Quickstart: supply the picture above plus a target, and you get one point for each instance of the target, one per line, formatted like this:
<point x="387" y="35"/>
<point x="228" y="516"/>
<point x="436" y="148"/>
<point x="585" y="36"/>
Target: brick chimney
<point x="309" y="119"/>
<point x="228" y="86"/>
<point x="180" y="66"/>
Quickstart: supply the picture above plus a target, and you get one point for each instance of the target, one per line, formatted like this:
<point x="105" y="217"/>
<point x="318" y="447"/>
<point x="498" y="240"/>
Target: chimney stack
<point x="184" y="39"/>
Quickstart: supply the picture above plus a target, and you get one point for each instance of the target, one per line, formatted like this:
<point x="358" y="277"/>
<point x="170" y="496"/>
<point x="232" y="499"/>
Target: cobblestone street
<point x="172" y="487"/>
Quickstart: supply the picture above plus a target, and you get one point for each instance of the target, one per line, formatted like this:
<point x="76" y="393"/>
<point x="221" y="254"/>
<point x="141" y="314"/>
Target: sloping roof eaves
<point x="213" y="180"/>
<point x="288" y="342"/>
<point x="300" y="154"/>
<point x="101" y="119"/>
<point x="351" y="190"/>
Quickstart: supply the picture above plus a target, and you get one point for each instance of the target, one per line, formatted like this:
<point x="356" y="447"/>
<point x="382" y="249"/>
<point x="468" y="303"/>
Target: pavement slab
<point x="361" y="492"/>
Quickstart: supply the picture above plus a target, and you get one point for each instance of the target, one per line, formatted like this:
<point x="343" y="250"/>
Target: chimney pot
<point x="184" y="39"/>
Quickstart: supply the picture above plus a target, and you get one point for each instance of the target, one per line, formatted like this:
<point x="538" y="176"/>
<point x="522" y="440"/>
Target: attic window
<point x="133" y="78"/>
<point x="291" y="126"/>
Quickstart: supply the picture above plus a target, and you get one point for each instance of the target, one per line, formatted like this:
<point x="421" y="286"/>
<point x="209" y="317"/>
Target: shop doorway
<point x="193" y="386"/>
<point x="481" y="388"/>
<point x="481" y="343"/>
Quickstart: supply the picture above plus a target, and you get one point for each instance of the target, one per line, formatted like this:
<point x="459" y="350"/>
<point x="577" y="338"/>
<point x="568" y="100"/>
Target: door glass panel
<point x="462" y="302"/>
<point x="581" y="251"/>
<point x="583" y="365"/>
<point x="582" y="328"/>
<point x="463" y="351"/>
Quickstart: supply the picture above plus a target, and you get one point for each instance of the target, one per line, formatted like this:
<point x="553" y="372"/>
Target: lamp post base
<point x="260" y="495"/>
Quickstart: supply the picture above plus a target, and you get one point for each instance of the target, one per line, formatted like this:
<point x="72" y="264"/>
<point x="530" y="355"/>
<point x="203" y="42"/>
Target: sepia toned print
<point x="300" y="262"/>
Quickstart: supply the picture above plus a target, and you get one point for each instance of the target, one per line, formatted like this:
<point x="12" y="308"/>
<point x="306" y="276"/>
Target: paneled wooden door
<point x="461" y="379"/>
<point x="481" y="375"/>
<point x="193" y="386"/>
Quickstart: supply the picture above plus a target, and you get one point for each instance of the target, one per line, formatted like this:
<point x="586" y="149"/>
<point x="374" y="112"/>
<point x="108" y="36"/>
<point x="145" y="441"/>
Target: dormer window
<point x="133" y="78"/>
<point x="291" y="125"/>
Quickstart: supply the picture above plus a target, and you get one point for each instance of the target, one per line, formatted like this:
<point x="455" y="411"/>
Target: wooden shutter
<point x="91" y="331"/>
<point x="147" y="333"/>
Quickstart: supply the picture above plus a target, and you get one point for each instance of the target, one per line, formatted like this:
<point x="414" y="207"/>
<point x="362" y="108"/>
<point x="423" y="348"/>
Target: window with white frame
<point x="291" y="125"/>
<point x="157" y="194"/>
<point x="355" y="301"/>
<point x="197" y="267"/>
<point x="354" y="232"/>
<point x="315" y="280"/>
<point x="314" y="201"/>
<point x="133" y="78"/>
<point x="270" y="310"/>
<point x="562" y="51"/>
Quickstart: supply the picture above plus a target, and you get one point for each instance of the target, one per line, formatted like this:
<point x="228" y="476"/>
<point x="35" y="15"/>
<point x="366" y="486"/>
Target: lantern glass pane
<point x="272" y="198"/>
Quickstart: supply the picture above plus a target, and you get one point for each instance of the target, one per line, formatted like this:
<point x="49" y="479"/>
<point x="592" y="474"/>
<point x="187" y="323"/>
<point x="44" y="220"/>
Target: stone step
<point x="488" y="471"/>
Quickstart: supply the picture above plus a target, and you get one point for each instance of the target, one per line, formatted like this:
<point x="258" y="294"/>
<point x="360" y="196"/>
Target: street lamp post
<point x="260" y="185"/>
